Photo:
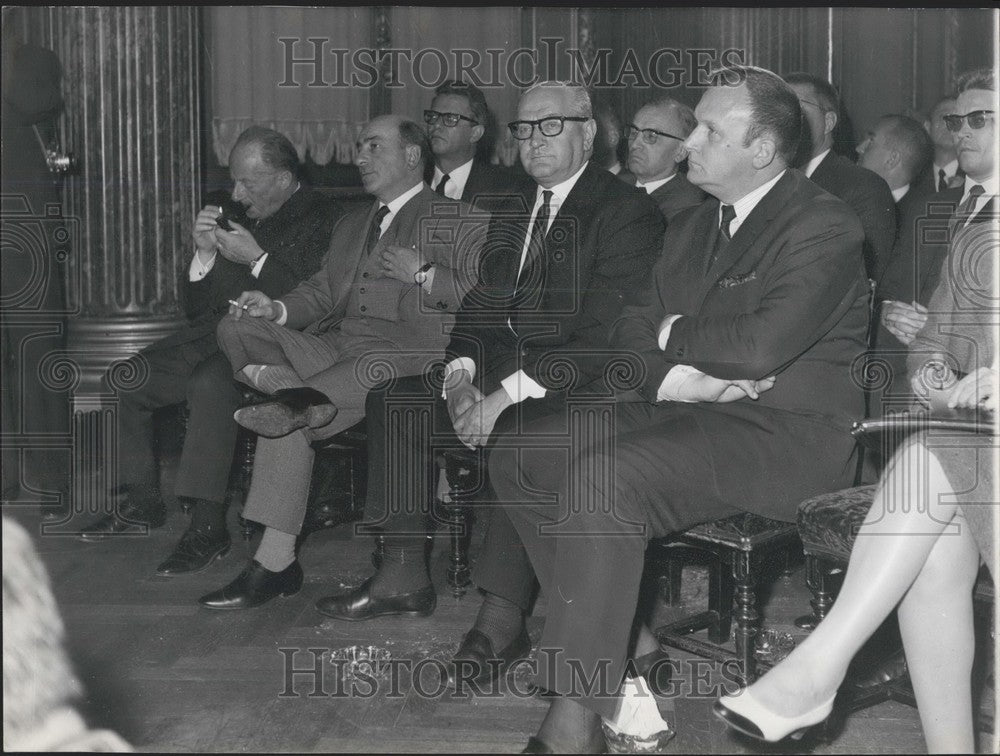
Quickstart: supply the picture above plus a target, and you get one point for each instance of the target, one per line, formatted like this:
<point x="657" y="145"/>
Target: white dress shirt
<point x="652" y="186"/>
<point x="898" y="194"/>
<point x="457" y="179"/>
<point x="679" y="373"/>
<point x="814" y="163"/>
<point x="990" y="189"/>
<point x="519" y="386"/>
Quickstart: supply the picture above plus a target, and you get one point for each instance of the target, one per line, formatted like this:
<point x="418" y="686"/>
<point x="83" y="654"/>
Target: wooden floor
<point x="171" y="676"/>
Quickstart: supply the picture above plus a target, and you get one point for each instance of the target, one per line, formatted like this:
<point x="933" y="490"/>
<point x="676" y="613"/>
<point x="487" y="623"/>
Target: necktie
<point x="724" y="235"/>
<point x="375" y="229"/>
<point x="530" y="279"/>
<point x="942" y="180"/>
<point x="964" y="213"/>
<point x="440" y="187"/>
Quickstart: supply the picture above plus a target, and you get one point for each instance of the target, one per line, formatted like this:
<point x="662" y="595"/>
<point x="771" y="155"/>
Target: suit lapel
<point x="753" y="225"/>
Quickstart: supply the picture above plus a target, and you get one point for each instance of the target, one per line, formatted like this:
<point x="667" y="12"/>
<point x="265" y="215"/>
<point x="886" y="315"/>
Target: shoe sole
<point x="400" y="613"/>
<point x="212" y="560"/>
<point x="273" y="420"/>
<point x="287" y="594"/>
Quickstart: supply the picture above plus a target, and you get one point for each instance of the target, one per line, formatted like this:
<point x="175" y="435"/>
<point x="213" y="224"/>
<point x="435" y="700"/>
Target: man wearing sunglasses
<point x="456" y="124"/>
<point x="926" y="233"/>
<point x="867" y="194"/>
<point x="553" y="278"/>
<point x="656" y="150"/>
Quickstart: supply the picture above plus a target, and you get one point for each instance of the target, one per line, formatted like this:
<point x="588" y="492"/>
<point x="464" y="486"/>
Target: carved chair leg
<point x="459" y="574"/>
<point x="747" y="619"/>
<point x="818" y="573"/>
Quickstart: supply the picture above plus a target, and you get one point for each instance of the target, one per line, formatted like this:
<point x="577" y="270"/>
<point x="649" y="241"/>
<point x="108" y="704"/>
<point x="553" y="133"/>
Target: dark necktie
<point x="531" y="277"/>
<point x="375" y="229"/>
<point x="440" y="187"/>
<point x="942" y="180"/>
<point x="964" y="212"/>
<point x="724" y="235"/>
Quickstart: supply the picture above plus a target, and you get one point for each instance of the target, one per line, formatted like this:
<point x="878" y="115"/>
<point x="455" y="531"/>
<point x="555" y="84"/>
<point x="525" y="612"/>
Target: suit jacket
<point x="927" y="180"/>
<point x="295" y="238"/>
<point x="489" y="188"/>
<point x="786" y="297"/>
<point x="676" y="195"/>
<point x="351" y="296"/>
<point x="870" y="197"/>
<point x="599" y="247"/>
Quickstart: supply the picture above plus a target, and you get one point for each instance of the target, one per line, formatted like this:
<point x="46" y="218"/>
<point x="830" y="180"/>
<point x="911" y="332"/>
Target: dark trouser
<point x="408" y="424"/>
<point x="198" y="373"/>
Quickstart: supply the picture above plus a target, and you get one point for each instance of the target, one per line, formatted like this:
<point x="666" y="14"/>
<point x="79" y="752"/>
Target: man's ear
<point x="829" y="121"/>
<point x="286" y="179"/>
<point x="477" y="133"/>
<point x="764" y="152"/>
<point x="893" y="159"/>
<point x="589" y="132"/>
<point x="412" y="156"/>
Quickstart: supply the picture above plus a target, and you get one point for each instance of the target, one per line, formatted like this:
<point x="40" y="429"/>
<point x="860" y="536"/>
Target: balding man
<point x="747" y="330"/>
<point x="385" y="299"/>
<point x="656" y="149"/>
<point x="867" y="194"/>
<point x="553" y="279"/>
<point x="282" y="233"/>
<point x="899" y="150"/>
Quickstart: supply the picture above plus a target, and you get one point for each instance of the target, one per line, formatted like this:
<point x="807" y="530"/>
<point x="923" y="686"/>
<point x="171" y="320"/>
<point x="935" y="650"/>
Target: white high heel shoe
<point x="748" y="715"/>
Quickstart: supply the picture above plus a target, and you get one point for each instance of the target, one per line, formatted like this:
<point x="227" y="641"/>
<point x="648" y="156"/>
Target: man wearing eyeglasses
<point x="926" y="233"/>
<point x="656" y="149"/>
<point x="456" y="124"/>
<point x="553" y="277"/>
<point x="866" y="193"/>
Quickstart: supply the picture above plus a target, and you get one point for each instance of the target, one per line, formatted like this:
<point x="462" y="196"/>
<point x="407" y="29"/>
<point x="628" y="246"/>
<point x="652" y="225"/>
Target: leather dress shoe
<point x="360" y="604"/>
<point x="126" y="519"/>
<point x="476" y="663"/>
<point x="255" y="586"/>
<point x="287" y="411"/>
<point x="890" y="669"/>
<point x="195" y="552"/>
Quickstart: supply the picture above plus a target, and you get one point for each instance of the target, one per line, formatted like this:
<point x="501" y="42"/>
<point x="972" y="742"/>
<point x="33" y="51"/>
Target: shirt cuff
<point x="459" y="363"/>
<point x="520" y="386"/>
<point x="199" y="270"/>
<point x="255" y="268"/>
<point x="283" y="317"/>
<point x="672" y="381"/>
<point x="664" y="335"/>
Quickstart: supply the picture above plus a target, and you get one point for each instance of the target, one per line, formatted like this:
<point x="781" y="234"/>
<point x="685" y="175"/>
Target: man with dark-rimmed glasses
<point x="656" y="150"/>
<point x="535" y="328"/>
<point x="457" y="124"/>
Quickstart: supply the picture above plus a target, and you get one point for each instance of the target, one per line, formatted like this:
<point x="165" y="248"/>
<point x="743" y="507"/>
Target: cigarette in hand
<point x="234" y="303"/>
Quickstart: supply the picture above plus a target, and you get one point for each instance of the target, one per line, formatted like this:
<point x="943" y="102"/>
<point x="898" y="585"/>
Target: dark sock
<point x="208" y="515"/>
<point x="499" y="620"/>
<point x="404" y="567"/>
<point x="570" y="727"/>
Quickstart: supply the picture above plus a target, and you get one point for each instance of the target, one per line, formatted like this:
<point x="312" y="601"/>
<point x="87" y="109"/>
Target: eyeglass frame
<point x="431" y="117"/>
<point x="513" y="125"/>
<point x="957" y="120"/>
<point x="655" y="132"/>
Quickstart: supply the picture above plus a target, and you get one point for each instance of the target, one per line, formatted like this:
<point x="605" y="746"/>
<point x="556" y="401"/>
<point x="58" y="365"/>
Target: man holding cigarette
<point x="282" y="233"/>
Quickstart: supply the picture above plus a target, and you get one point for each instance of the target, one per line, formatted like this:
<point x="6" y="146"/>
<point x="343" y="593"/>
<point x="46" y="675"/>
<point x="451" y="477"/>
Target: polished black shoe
<point x="195" y="552"/>
<point x="287" y="411"/>
<point x="476" y="663"/>
<point x="255" y="586"/>
<point x="360" y="604"/>
<point x="127" y="519"/>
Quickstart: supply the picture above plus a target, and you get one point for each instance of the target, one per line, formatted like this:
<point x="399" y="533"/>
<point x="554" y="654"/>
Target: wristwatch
<point x="421" y="275"/>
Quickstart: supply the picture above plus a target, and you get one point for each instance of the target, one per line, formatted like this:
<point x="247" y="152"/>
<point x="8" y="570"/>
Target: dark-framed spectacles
<point x="649" y="136"/>
<point x="976" y="119"/>
<point x="550" y="126"/>
<point x="450" y="119"/>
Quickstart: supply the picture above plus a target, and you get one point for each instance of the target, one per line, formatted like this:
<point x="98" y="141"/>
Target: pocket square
<point x="729" y="282"/>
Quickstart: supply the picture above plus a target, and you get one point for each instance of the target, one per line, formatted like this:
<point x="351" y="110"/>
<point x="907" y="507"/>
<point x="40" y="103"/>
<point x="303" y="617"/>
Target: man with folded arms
<point x="747" y="332"/>
<point x="383" y="303"/>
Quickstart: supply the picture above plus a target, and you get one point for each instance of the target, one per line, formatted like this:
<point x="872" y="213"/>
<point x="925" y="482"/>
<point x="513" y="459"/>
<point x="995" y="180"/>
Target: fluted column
<point x="132" y="87"/>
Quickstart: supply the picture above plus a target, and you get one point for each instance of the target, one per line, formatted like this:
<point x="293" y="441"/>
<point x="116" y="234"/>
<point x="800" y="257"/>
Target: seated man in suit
<point x="456" y="123"/>
<point x="747" y="331"/>
<point x="608" y="142"/>
<point x="384" y="301"/>
<point x="914" y="270"/>
<point x="867" y="194"/>
<point x="281" y="241"/>
<point x="553" y="278"/>
<point x="899" y="150"/>
<point x="656" y="149"/>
